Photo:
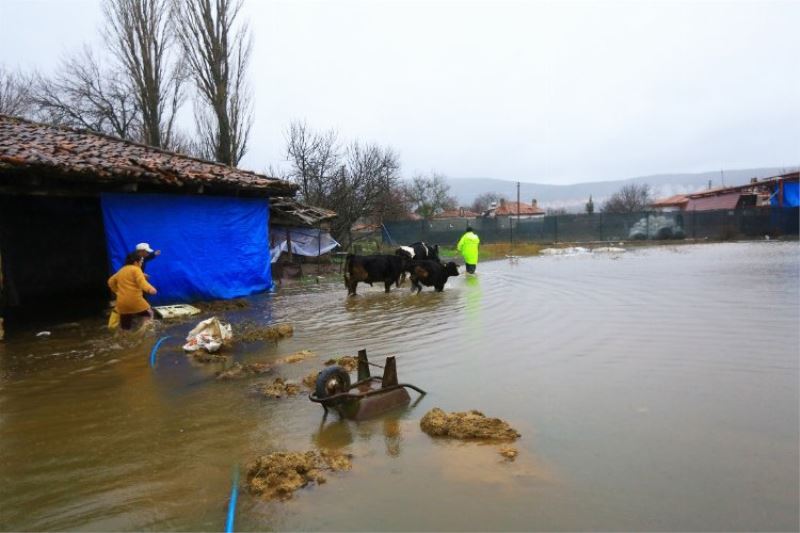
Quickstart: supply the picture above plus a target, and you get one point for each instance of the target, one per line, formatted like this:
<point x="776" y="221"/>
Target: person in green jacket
<point x="468" y="248"/>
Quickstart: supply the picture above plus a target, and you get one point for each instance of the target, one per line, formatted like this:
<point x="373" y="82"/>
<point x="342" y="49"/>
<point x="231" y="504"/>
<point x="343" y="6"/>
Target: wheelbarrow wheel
<point x="332" y="380"/>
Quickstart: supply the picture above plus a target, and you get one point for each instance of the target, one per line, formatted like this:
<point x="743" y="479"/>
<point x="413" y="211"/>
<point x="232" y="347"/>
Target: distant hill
<point x="573" y="197"/>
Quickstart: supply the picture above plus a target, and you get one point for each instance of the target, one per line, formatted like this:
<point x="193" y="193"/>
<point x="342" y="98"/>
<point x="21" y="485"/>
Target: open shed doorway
<point x="54" y="259"/>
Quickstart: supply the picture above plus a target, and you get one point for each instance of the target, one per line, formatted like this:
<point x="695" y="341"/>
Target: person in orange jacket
<point x="129" y="284"/>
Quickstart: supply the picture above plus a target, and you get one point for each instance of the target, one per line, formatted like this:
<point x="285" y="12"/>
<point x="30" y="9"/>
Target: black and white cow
<point x="373" y="269"/>
<point x="431" y="274"/>
<point x="419" y="251"/>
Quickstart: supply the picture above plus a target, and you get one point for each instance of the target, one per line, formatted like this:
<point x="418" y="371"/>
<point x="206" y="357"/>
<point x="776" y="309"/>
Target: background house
<point x="505" y="209"/>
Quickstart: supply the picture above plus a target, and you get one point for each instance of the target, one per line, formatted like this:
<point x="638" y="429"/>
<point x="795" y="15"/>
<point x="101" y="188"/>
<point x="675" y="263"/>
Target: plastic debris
<point x="43" y="334"/>
<point x="209" y="335"/>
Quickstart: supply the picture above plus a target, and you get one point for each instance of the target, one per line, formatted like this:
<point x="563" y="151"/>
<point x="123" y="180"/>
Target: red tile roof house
<point x="53" y="246"/>
<point x="506" y="209"/>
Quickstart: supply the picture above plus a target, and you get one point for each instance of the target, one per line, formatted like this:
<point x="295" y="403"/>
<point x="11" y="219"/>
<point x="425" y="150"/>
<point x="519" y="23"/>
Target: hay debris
<point x="217" y="306"/>
<point x="205" y="357"/>
<point x="296" y="357"/>
<point x="310" y="381"/>
<point x="278" y="475"/>
<point x="280" y="388"/>
<point x="348" y="362"/>
<point x="251" y="332"/>
<point x="238" y="370"/>
<point x="509" y="453"/>
<point x="466" y="425"/>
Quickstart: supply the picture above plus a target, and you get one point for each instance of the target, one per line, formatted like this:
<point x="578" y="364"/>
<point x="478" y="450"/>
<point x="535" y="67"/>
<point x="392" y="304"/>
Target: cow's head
<point x="451" y="269"/>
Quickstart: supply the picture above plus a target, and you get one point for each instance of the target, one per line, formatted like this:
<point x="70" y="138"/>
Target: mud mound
<point x="218" y="306"/>
<point x="280" y="388"/>
<point x="279" y="474"/>
<point x="348" y="362"/>
<point x="296" y="357"/>
<point x="250" y="332"/>
<point x="239" y="370"/>
<point x="468" y="425"/>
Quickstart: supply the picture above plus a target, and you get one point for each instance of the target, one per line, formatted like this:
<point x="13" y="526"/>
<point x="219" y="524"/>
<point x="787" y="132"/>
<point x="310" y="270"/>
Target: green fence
<point x="753" y="222"/>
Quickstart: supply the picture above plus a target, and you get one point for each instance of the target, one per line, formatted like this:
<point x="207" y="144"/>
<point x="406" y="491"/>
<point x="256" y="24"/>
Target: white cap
<point x="143" y="246"/>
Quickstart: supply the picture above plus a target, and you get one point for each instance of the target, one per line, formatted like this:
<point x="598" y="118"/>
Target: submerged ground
<point x="654" y="390"/>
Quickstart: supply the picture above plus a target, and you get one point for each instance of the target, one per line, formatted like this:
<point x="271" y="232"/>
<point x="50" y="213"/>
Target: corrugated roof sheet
<point x="84" y="156"/>
<point x="709" y="203"/>
<point x="300" y="213"/>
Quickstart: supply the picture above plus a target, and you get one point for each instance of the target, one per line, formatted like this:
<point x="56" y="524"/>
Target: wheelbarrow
<point x="368" y="397"/>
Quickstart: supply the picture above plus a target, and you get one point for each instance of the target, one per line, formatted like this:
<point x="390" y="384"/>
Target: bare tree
<point x="82" y="94"/>
<point x="357" y="181"/>
<point x="315" y="158"/>
<point x="369" y="171"/>
<point x="430" y="195"/>
<point x="140" y="37"/>
<point x="217" y="52"/>
<point x="484" y="200"/>
<point x="630" y="198"/>
<point x="15" y="93"/>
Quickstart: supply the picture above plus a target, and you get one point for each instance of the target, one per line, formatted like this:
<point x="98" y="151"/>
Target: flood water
<point x="654" y="390"/>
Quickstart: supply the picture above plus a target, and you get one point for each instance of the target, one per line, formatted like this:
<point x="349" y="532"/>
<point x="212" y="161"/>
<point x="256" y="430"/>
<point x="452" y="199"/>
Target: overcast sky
<point x="553" y="92"/>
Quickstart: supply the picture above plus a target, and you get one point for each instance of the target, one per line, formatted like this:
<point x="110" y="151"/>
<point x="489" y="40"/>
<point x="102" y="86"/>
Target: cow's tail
<point x="347" y="262"/>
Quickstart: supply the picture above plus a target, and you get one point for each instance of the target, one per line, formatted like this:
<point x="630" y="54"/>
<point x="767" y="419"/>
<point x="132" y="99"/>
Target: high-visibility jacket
<point x="468" y="247"/>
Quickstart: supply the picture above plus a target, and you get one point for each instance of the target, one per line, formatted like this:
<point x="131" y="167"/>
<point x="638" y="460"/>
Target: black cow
<point x="372" y="269"/>
<point x="430" y="273"/>
<point x="419" y="251"/>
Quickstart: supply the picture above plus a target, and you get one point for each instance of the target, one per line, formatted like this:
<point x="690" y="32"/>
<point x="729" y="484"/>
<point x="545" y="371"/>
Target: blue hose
<point x="155" y="349"/>
<point x="232" y="503"/>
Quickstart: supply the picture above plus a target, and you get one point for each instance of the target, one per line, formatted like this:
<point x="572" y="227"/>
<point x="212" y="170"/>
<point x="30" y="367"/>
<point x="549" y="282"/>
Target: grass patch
<point x="497" y="250"/>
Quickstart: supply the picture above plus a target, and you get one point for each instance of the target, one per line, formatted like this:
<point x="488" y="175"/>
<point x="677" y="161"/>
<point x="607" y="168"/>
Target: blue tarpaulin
<point x="791" y="194"/>
<point x="211" y="247"/>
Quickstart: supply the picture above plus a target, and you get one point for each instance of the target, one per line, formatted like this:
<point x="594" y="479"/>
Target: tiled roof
<point x="510" y="208"/>
<point x="73" y="155"/>
<point x="678" y="199"/>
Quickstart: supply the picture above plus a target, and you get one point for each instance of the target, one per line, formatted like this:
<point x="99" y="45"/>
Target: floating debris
<point x="217" y="306"/>
<point x="250" y="332"/>
<point x="238" y="370"/>
<point x="348" y="362"/>
<point x="278" y="475"/>
<point x="509" y="453"/>
<point x="280" y="388"/>
<point x="296" y="357"/>
<point x="467" y="425"/>
<point x="609" y="250"/>
<point x="571" y="250"/>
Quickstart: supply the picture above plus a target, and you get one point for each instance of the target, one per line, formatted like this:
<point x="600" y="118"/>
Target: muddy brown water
<point x="654" y="390"/>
